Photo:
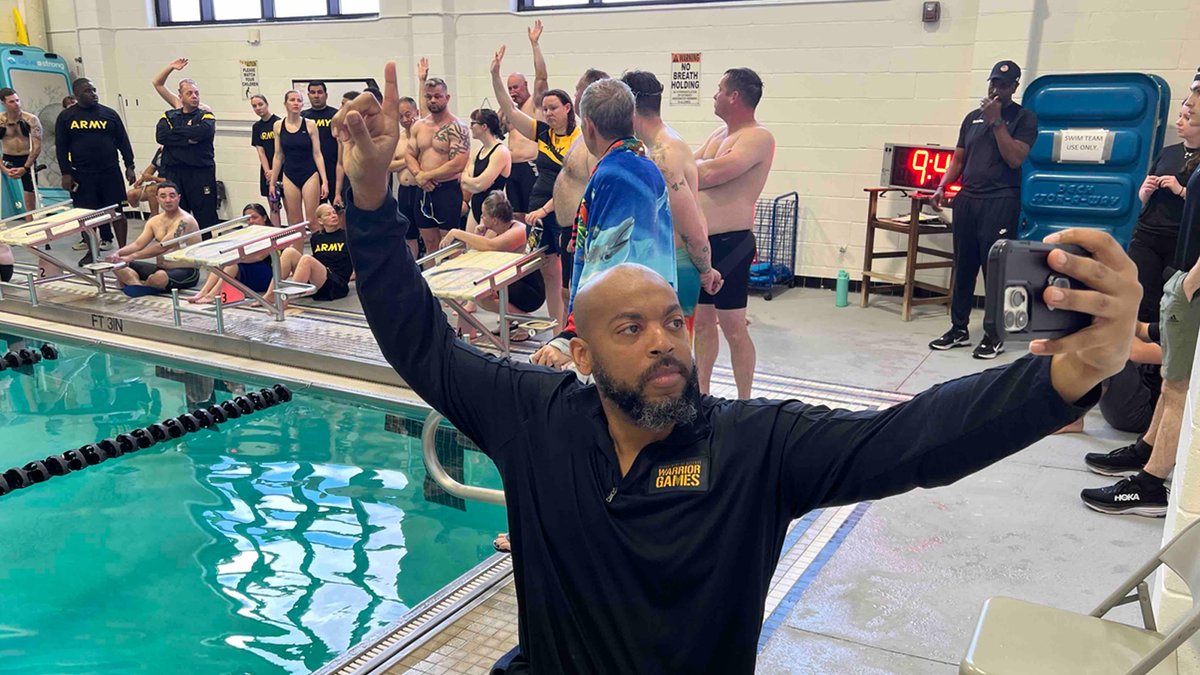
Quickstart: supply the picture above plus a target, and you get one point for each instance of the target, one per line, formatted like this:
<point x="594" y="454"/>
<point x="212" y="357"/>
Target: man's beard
<point x="435" y="108"/>
<point x="653" y="415"/>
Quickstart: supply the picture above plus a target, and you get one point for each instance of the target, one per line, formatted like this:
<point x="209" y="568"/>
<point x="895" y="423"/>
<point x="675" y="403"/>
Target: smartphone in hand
<point x="1018" y="275"/>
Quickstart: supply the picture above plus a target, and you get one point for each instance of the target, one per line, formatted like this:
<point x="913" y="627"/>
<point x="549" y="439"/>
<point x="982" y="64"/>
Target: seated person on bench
<point x="499" y="232"/>
<point x="140" y="277"/>
<point x="254" y="272"/>
<point x="145" y="188"/>
<point x="328" y="269"/>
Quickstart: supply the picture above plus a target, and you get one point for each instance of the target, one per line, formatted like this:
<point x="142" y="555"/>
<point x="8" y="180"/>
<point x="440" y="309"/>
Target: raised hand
<point x="370" y="132"/>
<point x="498" y="60"/>
<point x="423" y="69"/>
<point x="179" y="64"/>
<point x="535" y="32"/>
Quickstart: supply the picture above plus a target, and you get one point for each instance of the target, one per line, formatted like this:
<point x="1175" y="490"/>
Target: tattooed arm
<point x="686" y="217"/>
<point x="35" y="141"/>
<point x="457" y="140"/>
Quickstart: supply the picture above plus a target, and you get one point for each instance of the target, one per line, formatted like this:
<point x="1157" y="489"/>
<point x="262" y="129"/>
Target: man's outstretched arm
<point x="957" y="428"/>
<point x="485" y="397"/>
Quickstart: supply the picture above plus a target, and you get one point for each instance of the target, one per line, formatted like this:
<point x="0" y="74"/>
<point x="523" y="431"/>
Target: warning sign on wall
<point x="685" y="79"/>
<point x="249" y="79"/>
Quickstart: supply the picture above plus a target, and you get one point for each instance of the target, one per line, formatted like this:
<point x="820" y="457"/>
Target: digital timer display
<point x="917" y="167"/>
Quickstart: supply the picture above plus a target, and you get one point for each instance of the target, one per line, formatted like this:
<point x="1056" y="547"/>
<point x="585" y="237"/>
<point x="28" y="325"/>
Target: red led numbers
<point x="921" y="168"/>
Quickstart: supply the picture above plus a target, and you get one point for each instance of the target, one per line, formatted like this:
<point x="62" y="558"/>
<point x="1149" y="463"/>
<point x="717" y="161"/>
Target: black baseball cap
<point x="1005" y="70"/>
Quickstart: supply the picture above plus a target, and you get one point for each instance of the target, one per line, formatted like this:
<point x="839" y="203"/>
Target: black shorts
<point x="15" y="161"/>
<point x="527" y="293"/>
<point x="732" y="253"/>
<point x="548" y="235"/>
<point x="98" y="190"/>
<point x="197" y="192"/>
<point x="520" y="185"/>
<point x="334" y="288"/>
<point x="180" y="277"/>
<point x="408" y="198"/>
<point x="442" y="208"/>
<point x="567" y="260"/>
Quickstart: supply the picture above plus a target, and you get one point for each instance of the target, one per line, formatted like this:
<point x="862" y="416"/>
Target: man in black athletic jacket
<point x="646" y="519"/>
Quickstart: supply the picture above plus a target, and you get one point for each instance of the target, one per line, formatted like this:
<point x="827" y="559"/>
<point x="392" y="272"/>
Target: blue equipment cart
<point x="775" y="224"/>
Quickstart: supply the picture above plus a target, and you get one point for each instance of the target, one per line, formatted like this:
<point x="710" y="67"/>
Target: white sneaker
<point x="80" y="246"/>
<point x="106" y="245"/>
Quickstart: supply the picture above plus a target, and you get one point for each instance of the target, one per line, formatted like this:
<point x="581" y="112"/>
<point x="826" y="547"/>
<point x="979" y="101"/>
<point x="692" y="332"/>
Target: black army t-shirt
<point x="329" y="144"/>
<point x="262" y="135"/>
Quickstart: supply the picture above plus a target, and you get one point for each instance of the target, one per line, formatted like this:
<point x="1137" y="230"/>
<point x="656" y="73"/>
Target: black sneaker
<point x="955" y="337"/>
<point x="1126" y="461"/>
<point x="1128" y="496"/>
<point x="989" y="348"/>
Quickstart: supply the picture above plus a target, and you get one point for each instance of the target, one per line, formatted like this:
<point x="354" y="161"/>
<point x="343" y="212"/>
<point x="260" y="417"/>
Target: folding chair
<point x="1015" y="637"/>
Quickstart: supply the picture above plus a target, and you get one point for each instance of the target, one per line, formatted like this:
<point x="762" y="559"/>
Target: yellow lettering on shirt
<point x="266" y="136"/>
<point x="89" y="124"/>
<point x="335" y="247"/>
<point x="322" y="123"/>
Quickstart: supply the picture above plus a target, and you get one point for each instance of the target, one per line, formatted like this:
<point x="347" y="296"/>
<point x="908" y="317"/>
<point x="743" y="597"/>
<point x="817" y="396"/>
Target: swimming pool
<point x="271" y="545"/>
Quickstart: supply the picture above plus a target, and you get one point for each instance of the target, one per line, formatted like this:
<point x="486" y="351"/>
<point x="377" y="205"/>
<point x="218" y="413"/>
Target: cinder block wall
<point x="842" y="78"/>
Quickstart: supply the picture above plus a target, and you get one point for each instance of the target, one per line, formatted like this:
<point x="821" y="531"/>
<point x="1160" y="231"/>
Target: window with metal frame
<point x="541" y="5"/>
<point x="193" y="12"/>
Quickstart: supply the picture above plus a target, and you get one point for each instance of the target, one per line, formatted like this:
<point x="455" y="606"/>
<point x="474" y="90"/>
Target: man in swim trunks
<point x="171" y="223"/>
<point x="733" y="166"/>
<point x="671" y="154"/>
<point x="21" y="135"/>
<point x="408" y="195"/>
<point x="438" y="149"/>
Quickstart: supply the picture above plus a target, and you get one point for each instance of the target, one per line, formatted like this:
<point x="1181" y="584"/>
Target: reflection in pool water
<point x="270" y="545"/>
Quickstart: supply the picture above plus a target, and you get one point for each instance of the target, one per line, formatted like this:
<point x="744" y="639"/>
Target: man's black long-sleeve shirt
<point x="187" y="138"/>
<point x="87" y="140"/>
<point x="666" y="569"/>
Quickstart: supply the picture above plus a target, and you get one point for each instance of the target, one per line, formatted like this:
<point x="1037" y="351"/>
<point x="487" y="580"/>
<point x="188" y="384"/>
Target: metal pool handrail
<point x="436" y="471"/>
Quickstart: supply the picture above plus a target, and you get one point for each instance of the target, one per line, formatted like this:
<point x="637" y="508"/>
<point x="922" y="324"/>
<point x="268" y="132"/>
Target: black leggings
<point x="6" y="272"/>
<point x="1152" y="254"/>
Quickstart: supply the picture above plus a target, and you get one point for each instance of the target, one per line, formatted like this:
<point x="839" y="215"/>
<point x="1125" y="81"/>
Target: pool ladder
<point x="433" y="466"/>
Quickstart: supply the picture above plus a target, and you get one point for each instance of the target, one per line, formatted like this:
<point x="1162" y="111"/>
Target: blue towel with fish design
<point x="624" y="217"/>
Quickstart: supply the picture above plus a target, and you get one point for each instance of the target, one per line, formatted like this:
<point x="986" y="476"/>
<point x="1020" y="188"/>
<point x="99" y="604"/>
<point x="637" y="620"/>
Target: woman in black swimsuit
<point x="493" y="162"/>
<point x="299" y="162"/>
<point x="502" y="233"/>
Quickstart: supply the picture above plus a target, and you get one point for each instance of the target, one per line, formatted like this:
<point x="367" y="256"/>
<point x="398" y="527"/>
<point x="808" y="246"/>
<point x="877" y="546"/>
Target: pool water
<point x="270" y="545"/>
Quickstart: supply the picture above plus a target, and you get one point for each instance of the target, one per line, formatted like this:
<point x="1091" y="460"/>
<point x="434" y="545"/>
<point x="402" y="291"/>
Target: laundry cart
<point x="775" y="223"/>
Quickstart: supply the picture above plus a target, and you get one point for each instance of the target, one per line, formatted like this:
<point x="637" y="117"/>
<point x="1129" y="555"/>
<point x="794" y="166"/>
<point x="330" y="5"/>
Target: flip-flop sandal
<point x="517" y="332"/>
<point x="139" y="291"/>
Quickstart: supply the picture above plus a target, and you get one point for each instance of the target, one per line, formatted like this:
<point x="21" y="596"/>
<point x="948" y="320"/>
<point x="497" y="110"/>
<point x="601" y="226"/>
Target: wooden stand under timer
<point x="913" y="228"/>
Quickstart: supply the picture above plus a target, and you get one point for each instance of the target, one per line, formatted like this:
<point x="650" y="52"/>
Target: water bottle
<point x="843" y="289"/>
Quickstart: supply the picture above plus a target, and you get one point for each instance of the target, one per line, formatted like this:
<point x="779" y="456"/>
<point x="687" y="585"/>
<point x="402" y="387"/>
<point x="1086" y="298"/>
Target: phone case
<point x="1017" y="276"/>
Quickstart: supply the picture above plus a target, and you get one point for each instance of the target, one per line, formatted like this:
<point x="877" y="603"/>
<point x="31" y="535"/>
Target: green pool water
<point x="270" y="545"/>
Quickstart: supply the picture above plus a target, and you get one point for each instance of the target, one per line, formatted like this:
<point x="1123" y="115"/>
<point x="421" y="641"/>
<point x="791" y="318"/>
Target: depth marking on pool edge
<point x="109" y="323"/>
